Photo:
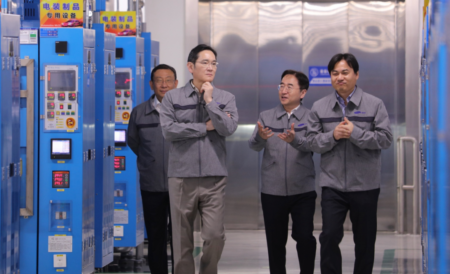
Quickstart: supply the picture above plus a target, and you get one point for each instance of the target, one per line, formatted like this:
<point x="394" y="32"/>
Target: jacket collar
<point x="355" y="100"/>
<point x="298" y="113"/>
<point x="149" y="106"/>
<point x="188" y="89"/>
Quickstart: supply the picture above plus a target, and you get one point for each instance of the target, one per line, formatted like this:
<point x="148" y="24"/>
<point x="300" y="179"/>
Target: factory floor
<point x="245" y="252"/>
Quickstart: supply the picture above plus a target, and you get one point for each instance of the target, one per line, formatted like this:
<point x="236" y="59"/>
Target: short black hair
<point x="163" y="66"/>
<point x="193" y="55"/>
<point x="348" y="57"/>
<point x="302" y="79"/>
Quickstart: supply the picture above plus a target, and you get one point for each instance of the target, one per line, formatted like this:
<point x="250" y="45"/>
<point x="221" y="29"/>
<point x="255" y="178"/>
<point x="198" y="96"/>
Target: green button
<point x="68" y="113"/>
<point x="73" y="113"/>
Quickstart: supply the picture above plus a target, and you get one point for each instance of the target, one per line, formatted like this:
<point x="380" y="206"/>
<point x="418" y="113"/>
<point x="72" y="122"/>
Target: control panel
<point x="61" y="98"/>
<point x="119" y="163"/>
<point x="123" y="98"/>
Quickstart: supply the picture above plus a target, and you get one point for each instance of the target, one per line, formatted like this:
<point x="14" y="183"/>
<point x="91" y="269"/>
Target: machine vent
<point x="31" y="9"/>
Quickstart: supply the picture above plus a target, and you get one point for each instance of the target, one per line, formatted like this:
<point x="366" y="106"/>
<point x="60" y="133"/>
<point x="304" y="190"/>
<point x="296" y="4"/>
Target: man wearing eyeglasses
<point x="196" y="119"/>
<point x="287" y="174"/>
<point x="147" y="142"/>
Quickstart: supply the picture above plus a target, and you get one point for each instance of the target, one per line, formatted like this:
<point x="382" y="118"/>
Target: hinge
<point x="23" y="93"/>
<point x="42" y="117"/>
<point x="42" y="78"/>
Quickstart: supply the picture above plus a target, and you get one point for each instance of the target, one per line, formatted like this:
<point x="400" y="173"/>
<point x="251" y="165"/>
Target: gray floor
<point x="245" y="252"/>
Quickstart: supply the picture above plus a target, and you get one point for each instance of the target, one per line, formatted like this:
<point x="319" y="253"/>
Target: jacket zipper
<point x="345" y="154"/>
<point x="164" y="165"/>
<point x="200" y="118"/>
<point x="285" y="165"/>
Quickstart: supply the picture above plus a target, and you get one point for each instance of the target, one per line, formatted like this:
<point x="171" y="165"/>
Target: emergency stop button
<point x="70" y="123"/>
<point x="126" y="116"/>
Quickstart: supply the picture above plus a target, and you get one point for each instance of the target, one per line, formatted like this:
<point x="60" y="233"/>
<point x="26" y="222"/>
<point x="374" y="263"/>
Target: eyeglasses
<point x="206" y="64"/>
<point x="161" y="81"/>
<point x="289" y="89"/>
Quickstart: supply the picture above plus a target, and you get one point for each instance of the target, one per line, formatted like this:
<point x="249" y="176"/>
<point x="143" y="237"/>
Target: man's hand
<point x="342" y="131"/>
<point x="348" y="125"/>
<point x="289" y="135"/>
<point x="207" y="90"/>
<point x="265" y="133"/>
<point x="209" y="125"/>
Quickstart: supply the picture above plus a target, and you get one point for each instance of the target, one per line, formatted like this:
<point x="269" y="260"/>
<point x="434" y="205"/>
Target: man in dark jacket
<point x="349" y="128"/>
<point x="287" y="175"/>
<point x="147" y="142"/>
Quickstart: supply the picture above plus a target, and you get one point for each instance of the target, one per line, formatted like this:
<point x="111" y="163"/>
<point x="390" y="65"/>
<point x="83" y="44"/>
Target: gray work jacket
<point x="287" y="169"/>
<point x="196" y="152"/>
<point x="147" y="142"/>
<point x="352" y="164"/>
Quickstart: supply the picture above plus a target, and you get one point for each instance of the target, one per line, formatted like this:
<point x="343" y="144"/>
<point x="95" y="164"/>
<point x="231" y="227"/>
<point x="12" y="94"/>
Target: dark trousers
<point x="363" y="215"/>
<point x="156" y="211"/>
<point x="276" y="210"/>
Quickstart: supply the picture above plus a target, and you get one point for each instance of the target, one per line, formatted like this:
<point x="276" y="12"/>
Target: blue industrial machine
<point x="67" y="151"/>
<point x="435" y="145"/>
<point x="29" y="115"/>
<point x="11" y="164"/>
<point x="104" y="139"/>
<point x="128" y="214"/>
<point x="151" y="61"/>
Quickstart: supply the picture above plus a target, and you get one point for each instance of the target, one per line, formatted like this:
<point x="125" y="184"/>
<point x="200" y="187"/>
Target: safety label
<point x="319" y="76"/>
<point x="118" y="231"/>
<point x="120" y="216"/>
<point x="59" y="260"/>
<point x="59" y="243"/>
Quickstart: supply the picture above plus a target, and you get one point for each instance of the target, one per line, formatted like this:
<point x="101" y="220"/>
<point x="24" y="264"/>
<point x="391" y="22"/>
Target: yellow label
<point x="118" y="148"/>
<point x="121" y="23"/>
<point x="71" y="130"/>
<point x="60" y="255"/>
<point x="60" y="226"/>
<point x="61" y="162"/>
<point x="118" y="239"/>
<point x="59" y="270"/>
<point x="125" y="123"/>
<point x="119" y="209"/>
<point x="60" y="54"/>
<point x="60" y="190"/>
<point x="60" y="235"/>
<point x="118" y="172"/>
<point x="60" y="13"/>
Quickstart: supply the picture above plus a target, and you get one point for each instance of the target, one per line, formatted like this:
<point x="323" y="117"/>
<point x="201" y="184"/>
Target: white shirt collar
<point x="290" y="113"/>
<point x="156" y="103"/>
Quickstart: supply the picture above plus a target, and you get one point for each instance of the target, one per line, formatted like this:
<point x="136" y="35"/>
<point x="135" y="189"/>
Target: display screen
<point x="61" y="80"/>
<point x="120" y="137"/>
<point x="119" y="163"/>
<point x="61" y="148"/>
<point x="61" y="179"/>
<point x="123" y="80"/>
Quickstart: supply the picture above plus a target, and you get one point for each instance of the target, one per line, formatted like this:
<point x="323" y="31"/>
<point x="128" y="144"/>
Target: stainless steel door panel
<point x="371" y="32"/>
<point x="279" y="47"/>
<point x="235" y="37"/>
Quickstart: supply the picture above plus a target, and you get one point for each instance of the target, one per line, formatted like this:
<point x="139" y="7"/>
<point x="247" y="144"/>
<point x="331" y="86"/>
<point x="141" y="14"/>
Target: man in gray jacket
<point x="196" y="119"/>
<point x="287" y="175"/>
<point x="146" y="140"/>
<point x="349" y="128"/>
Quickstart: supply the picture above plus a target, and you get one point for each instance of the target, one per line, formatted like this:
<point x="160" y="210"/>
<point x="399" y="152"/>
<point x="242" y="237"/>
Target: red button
<point x="118" y="102"/>
<point x="61" y="106"/>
